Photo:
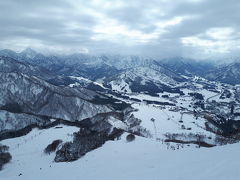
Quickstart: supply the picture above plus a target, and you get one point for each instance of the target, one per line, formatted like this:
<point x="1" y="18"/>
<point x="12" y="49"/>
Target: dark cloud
<point x="194" y="28"/>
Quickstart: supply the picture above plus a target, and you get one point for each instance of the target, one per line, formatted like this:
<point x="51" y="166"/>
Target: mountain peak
<point x="28" y="52"/>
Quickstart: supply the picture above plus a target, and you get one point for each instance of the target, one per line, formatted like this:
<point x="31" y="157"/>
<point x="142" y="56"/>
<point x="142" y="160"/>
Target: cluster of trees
<point x="190" y="138"/>
<point x="53" y="146"/>
<point x="116" y="104"/>
<point x="196" y="96"/>
<point x="153" y="89"/>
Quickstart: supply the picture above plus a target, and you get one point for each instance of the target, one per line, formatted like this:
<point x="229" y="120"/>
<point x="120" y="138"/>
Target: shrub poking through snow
<point x="53" y="146"/>
<point x="5" y="156"/>
<point x="3" y="148"/>
<point x="130" y="137"/>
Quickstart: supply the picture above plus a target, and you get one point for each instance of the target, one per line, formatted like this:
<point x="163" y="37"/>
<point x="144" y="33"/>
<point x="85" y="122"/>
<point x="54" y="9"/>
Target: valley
<point x="138" y="114"/>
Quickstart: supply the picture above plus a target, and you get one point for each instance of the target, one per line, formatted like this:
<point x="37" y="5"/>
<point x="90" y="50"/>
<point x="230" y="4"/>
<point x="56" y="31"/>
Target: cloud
<point x="158" y="28"/>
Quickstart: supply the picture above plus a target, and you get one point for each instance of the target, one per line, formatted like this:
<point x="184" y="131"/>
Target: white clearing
<point x="167" y="121"/>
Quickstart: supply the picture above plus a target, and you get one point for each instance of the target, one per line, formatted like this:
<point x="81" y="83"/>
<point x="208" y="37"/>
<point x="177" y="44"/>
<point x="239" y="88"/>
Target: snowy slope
<point x="167" y="121"/>
<point x="187" y="66"/>
<point x="16" y="121"/>
<point x="8" y="64"/>
<point x="148" y="74"/>
<point x="226" y="74"/>
<point x="139" y="79"/>
<point x="142" y="159"/>
<point x="38" y="97"/>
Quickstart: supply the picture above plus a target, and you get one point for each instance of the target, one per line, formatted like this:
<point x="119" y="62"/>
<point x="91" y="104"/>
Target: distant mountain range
<point x="229" y="74"/>
<point x="33" y="93"/>
<point x="188" y="67"/>
<point x="108" y="67"/>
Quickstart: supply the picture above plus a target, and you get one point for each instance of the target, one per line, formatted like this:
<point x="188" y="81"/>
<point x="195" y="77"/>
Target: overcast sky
<point x="190" y="28"/>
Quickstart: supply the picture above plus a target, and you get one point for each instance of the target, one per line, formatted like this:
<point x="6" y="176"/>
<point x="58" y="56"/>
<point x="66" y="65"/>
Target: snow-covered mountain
<point x="143" y="79"/>
<point x="125" y="62"/>
<point x="28" y="53"/>
<point x="11" y="65"/>
<point x="27" y="100"/>
<point x="90" y="71"/>
<point x="189" y="67"/>
<point x="48" y="115"/>
<point x="136" y="73"/>
<point x="30" y="56"/>
<point x="12" y="122"/>
<point x="226" y="74"/>
<point x="35" y="96"/>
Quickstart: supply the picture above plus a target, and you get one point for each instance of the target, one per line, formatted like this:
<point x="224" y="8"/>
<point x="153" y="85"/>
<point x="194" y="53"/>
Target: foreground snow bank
<point x="142" y="159"/>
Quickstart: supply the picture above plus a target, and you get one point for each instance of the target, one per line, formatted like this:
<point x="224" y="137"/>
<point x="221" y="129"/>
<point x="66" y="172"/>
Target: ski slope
<point x="142" y="159"/>
<point x="167" y="121"/>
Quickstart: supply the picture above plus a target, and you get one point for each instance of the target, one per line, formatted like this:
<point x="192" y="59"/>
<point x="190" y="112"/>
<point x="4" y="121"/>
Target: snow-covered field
<point x="142" y="159"/>
<point x="167" y="121"/>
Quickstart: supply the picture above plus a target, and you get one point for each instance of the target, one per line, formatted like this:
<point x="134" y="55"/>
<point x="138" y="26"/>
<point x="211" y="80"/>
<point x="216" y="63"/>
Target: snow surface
<point x="80" y="78"/>
<point x="167" y="121"/>
<point x="142" y="159"/>
<point x="120" y="85"/>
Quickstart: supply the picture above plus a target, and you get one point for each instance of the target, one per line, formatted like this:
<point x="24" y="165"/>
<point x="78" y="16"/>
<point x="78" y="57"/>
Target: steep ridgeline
<point x="8" y="64"/>
<point x="36" y="96"/>
<point x="12" y="122"/>
<point x="32" y="96"/>
<point x="89" y="71"/>
<point x="125" y="62"/>
<point x="30" y="56"/>
<point x="118" y="61"/>
<point x="151" y="80"/>
<point x="88" y="66"/>
<point x="229" y="74"/>
<point x="188" y="67"/>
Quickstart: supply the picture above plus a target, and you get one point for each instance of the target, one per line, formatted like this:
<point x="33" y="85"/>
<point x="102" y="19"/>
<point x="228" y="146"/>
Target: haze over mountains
<point x="108" y="65"/>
